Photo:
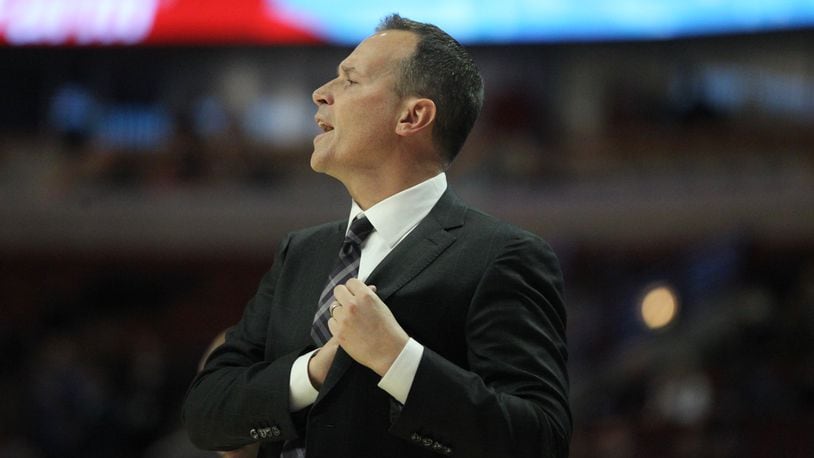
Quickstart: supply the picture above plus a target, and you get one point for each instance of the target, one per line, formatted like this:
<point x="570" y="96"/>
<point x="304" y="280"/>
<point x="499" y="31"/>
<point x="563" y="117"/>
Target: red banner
<point x="160" y="22"/>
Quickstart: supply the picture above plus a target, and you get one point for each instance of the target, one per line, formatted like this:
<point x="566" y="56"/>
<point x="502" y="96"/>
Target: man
<point x="440" y="331"/>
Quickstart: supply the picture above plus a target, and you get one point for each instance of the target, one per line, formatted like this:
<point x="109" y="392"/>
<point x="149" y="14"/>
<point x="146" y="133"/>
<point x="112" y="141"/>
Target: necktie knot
<point x="359" y="230"/>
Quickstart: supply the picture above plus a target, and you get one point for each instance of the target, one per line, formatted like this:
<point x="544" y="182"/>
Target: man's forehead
<point x="400" y="39"/>
<point x="386" y="44"/>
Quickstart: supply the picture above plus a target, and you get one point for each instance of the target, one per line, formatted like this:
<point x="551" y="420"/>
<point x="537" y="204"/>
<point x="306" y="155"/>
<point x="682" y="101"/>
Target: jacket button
<point x="415" y="437"/>
<point x="253" y="433"/>
<point x="427" y="442"/>
<point x="275" y="431"/>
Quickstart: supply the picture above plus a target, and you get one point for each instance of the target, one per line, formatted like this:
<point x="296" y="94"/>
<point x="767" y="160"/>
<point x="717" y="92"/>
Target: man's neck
<point x="367" y="191"/>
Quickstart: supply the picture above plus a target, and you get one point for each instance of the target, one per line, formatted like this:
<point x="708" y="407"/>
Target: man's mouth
<point x="324" y="126"/>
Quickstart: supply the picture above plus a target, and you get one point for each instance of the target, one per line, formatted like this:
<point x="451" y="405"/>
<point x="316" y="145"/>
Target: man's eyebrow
<point x="346" y="69"/>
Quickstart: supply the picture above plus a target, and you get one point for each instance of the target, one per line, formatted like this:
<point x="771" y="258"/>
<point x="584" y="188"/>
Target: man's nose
<point x="321" y="95"/>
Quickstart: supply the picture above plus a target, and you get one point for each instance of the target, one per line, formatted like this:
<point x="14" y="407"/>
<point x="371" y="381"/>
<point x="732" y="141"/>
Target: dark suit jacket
<point x="483" y="297"/>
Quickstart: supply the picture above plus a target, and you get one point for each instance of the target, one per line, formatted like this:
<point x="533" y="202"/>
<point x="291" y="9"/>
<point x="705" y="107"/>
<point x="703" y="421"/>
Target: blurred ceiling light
<point x="659" y="306"/>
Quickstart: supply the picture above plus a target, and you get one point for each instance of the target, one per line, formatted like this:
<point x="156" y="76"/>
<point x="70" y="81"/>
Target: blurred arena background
<point x="152" y="154"/>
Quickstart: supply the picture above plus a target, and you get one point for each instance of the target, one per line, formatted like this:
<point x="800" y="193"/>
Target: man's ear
<point x="418" y="114"/>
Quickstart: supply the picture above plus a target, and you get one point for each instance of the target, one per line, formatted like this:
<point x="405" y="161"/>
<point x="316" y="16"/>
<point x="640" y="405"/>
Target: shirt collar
<point x="395" y="216"/>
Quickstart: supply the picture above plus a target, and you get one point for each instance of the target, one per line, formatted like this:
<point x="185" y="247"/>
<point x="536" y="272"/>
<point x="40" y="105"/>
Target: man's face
<point x="359" y="109"/>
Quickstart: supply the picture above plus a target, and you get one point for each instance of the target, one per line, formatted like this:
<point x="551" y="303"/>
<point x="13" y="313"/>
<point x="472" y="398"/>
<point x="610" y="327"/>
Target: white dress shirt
<point x="392" y="219"/>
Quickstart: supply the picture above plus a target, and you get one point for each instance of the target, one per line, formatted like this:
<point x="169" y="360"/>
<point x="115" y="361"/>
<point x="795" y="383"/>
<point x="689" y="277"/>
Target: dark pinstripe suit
<point x="483" y="297"/>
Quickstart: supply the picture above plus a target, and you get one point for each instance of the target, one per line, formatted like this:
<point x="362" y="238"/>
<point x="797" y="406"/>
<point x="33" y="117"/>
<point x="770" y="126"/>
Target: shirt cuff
<point x="301" y="393"/>
<point x="399" y="378"/>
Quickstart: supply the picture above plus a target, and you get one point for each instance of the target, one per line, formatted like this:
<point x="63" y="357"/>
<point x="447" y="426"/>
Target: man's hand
<point x="321" y="361"/>
<point x="365" y="328"/>
<point x="249" y="451"/>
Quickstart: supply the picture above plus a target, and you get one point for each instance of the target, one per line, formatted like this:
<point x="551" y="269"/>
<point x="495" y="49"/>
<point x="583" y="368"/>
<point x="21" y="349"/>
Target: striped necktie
<point x="346" y="268"/>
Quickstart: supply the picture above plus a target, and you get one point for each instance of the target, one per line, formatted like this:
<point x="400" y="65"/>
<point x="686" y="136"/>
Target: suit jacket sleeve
<point x="512" y="400"/>
<point x="239" y="397"/>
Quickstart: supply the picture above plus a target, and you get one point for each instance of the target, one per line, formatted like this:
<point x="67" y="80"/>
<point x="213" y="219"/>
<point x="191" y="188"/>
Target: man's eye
<point x="349" y="81"/>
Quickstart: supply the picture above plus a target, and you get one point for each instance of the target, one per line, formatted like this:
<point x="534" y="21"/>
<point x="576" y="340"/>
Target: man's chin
<point x="318" y="162"/>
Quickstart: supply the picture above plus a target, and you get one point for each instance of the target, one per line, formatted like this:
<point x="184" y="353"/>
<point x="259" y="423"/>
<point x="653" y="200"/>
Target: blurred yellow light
<point x="659" y="307"/>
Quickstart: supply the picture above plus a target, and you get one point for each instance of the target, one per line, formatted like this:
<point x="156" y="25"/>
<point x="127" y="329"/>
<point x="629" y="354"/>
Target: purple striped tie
<point x="346" y="268"/>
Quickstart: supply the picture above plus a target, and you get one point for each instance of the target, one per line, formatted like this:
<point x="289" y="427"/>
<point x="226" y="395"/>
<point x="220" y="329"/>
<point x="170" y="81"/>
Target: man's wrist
<point x="315" y="384"/>
<point x="301" y="392"/>
<point x="389" y="355"/>
<point x="398" y="381"/>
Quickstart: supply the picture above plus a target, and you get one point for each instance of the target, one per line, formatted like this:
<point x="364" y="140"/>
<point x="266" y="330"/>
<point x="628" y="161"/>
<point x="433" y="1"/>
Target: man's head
<point x="359" y="110"/>
<point x="408" y="86"/>
<point x="441" y="70"/>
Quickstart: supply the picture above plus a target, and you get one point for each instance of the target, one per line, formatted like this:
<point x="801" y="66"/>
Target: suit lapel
<point x="410" y="257"/>
<point x="417" y="251"/>
<point x="420" y="248"/>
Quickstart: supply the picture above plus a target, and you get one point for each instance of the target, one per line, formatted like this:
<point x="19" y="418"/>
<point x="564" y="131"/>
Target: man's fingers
<point x="355" y="286"/>
<point x="358" y="288"/>
<point x="332" y="308"/>
<point x="331" y="326"/>
<point x="353" y="293"/>
<point x="342" y="295"/>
